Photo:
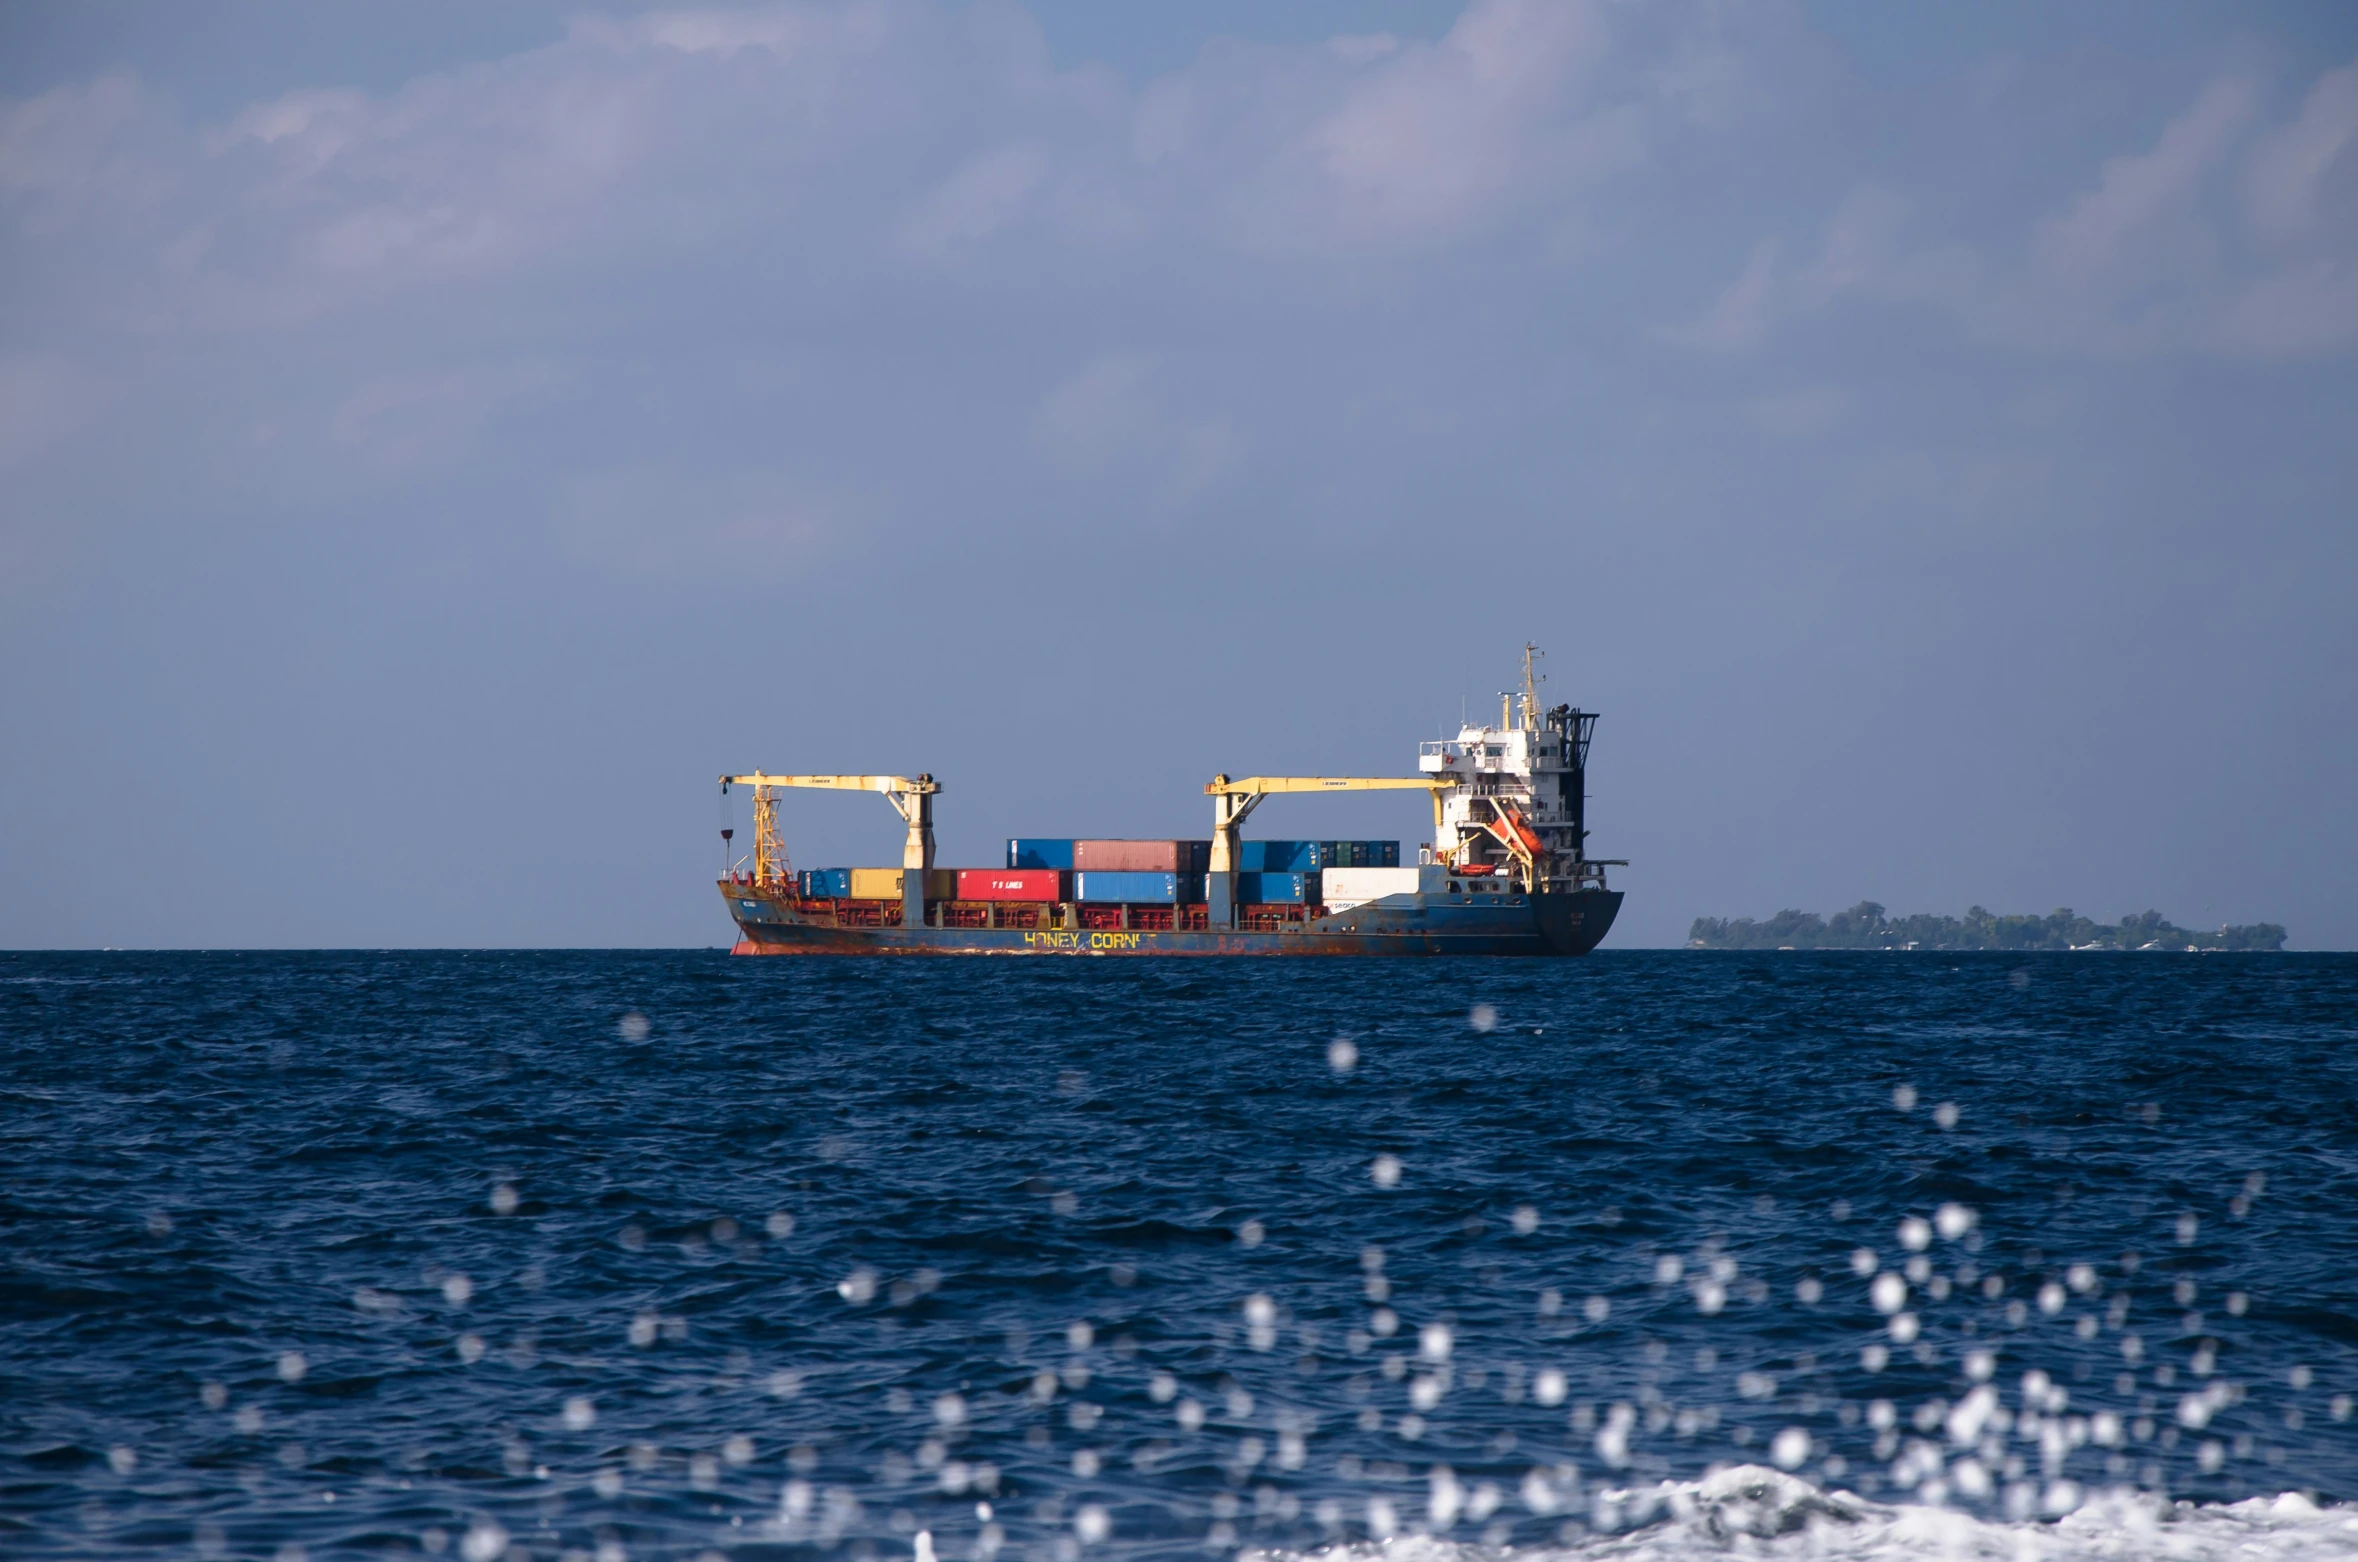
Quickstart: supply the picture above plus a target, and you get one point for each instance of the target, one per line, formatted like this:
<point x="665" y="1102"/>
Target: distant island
<point x="1864" y="926"/>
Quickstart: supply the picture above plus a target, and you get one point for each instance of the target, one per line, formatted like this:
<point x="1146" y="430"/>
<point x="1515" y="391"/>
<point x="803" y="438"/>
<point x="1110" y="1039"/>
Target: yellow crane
<point x="1233" y="800"/>
<point x="911" y="798"/>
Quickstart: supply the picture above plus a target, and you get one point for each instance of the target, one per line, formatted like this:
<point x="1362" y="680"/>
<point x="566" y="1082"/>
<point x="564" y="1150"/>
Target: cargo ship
<point x="1506" y="873"/>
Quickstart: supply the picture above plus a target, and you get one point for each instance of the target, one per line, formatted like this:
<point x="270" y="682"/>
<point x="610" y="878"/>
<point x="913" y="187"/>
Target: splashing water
<point x="329" y="1255"/>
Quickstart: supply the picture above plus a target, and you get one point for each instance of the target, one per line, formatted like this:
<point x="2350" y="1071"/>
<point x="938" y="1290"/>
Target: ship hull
<point x="1528" y="925"/>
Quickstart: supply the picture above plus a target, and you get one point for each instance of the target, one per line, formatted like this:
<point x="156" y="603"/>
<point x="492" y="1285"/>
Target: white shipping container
<point x="1355" y="886"/>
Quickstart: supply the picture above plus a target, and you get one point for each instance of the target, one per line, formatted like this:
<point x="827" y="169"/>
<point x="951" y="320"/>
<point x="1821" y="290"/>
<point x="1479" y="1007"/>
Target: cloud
<point x="982" y="197"/>
<point x="1107" y="416"/>
<point x="658" y="524"/>
<point x="2116" y="223"/>
<point x="1437" y="135"/>
<point x="2296" y="312"/>
<point x="1740" y="316"/>
<point x="410" y="422"/>
<point x="2287" y="181"/>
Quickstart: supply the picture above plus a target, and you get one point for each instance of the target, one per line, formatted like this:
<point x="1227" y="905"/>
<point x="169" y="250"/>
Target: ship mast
<point x="1531" y="682"/>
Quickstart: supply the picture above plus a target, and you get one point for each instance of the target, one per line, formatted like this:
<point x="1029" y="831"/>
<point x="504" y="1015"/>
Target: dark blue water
<point x="661" y="1255"/>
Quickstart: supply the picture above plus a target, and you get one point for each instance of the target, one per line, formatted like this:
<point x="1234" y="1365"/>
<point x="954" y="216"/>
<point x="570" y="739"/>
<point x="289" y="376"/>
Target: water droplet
<point x="1526" y="1220"/>
<point x="1903" y="1097"/>
<point x="503" y="1199"/>
<point x="1790" y="1448"/>
<point x="1342" y="1055"/>
<point x="580" y="1414"/>
<point x="632" y="1027"/>
<point x="292" y="1366"/>
<point x="458" y="1290"/>
<point x="1386" y="1171"/>
<point x="1484" y="1018"/>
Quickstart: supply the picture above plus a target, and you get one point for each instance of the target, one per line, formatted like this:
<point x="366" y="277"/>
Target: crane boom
<point x="885" y="784"/>
<point x="1233" y="799"/>
<point x="911" y="797"/>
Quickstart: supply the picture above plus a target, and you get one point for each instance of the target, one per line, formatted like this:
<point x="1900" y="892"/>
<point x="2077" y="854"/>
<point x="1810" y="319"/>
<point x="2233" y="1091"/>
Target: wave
<point x="1754" y="1511"/>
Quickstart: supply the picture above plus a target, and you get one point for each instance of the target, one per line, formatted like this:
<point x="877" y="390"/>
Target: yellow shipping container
<point x="885" y="883"/>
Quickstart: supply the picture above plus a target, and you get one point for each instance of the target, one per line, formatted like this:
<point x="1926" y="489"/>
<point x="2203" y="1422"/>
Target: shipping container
<point x="1031" y="884"/>
<point x="1354" y="886"/>
<point x="1279" y="856"/>
<point x="1151" y="889"/>
<point x="825" y="883"/>
<point x="885" y="884"/>
<point x="1142" y="856"/>
<point x="1030" y="852"/>
<point x="1359" y="854"/>
<point x="1268" y="889"/>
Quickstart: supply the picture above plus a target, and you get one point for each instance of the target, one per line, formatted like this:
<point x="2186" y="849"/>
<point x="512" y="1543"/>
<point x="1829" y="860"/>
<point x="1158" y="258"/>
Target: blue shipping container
<point x="1149" y="889"/>
<point x="1265" y="889"/>
<point x="826" y="883"/>
<point x="1359" y="854"/>
<point x="1279" y="856"/>
<point x="1026" y="852"/>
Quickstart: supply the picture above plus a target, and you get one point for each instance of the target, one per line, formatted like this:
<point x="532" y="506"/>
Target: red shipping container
<point x="1010" y="884"/>
<point x="1132" y="856"/>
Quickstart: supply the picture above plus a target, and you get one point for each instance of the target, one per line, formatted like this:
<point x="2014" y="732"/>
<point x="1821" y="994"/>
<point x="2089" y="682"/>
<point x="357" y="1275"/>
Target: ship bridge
<point x="1521" y="806"/>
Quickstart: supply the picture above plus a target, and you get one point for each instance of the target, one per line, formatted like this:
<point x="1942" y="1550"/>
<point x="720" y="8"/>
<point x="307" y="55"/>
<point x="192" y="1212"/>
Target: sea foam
<point x="1753" y="1511"/>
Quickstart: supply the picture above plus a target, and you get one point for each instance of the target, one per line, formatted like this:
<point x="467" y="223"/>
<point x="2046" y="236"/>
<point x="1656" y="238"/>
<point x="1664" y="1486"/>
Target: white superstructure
<point x="1521" y="807"/>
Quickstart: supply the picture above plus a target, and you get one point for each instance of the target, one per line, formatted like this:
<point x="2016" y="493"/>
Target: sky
<point x="437" y="440"/>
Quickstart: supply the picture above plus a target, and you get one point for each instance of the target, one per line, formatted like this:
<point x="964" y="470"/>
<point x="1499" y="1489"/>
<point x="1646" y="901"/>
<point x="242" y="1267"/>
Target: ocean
<point x="595" y="1255"/>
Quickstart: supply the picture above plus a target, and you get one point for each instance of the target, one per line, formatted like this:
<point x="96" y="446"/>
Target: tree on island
<point x="1865" y="926"/>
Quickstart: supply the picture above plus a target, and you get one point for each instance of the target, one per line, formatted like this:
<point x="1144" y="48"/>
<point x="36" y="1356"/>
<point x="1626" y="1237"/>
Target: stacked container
<point x="1315" y="856"/>
<point x="885" y="883"/>
<point x="1011" y="884"/>
<point x="1034" y="852"/>
<point x="824" y="883"/>
<point x="1355" y="886"/>
<point x="1137" y="888"/>
<point x="1142" y="856"/>
<point x="1270" y="889"/>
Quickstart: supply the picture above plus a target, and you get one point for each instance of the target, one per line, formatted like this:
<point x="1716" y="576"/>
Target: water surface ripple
<point x="604" y="1255"/>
